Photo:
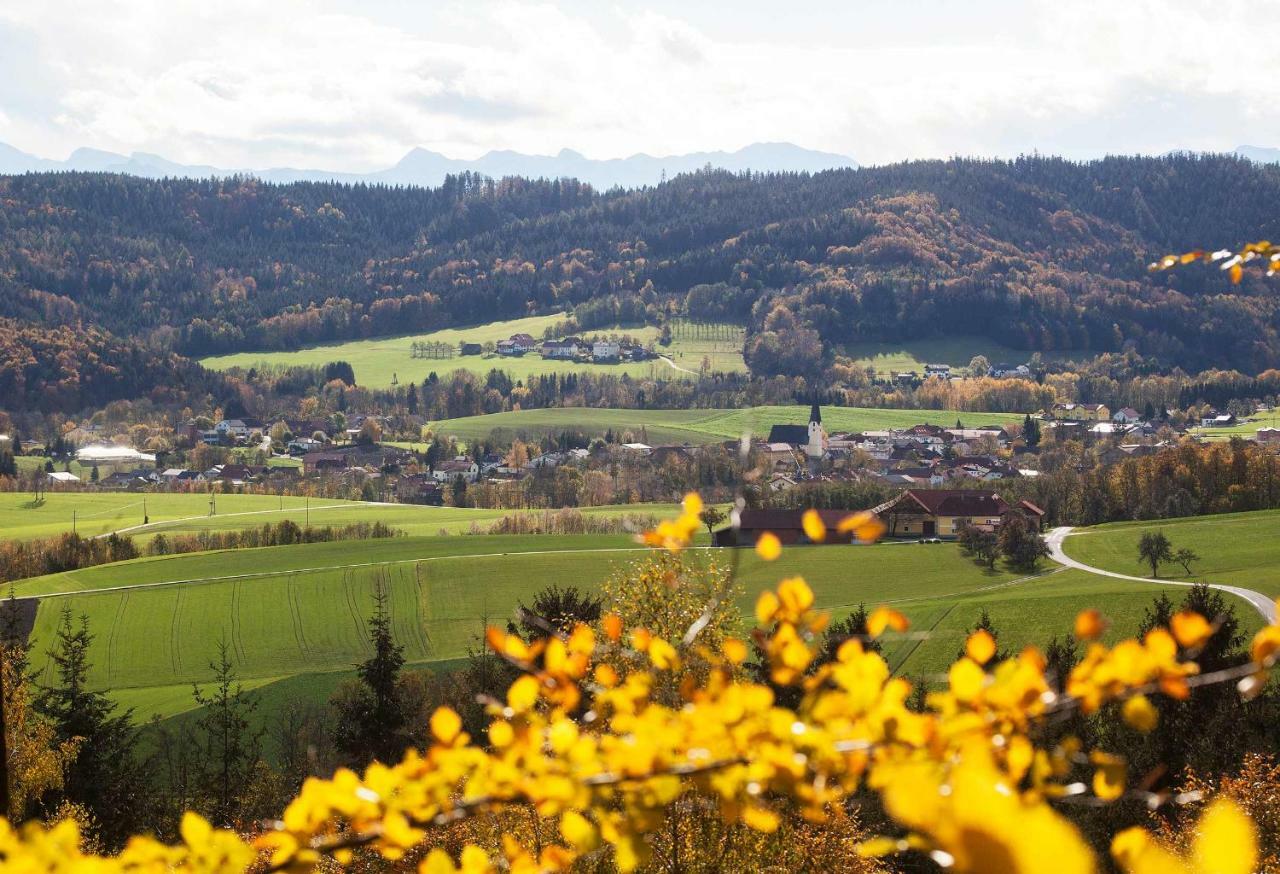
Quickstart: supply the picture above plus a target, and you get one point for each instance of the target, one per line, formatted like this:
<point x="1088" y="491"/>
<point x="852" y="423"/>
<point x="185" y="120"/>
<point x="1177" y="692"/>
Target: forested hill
<point x="1039" y="253"/>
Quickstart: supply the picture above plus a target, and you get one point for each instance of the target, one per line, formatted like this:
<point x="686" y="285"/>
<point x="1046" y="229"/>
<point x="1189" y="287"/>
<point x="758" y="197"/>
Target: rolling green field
<point x="1245" y="428"/>
<point x="378" y="362"/>
<point x="21" y="518"/>
<point x="955" y="351"/>
<point x="102" y="512"/>
<point x="701" y="426"/>
<point x="1238" y="549"/>
<point x="291" y="612"/>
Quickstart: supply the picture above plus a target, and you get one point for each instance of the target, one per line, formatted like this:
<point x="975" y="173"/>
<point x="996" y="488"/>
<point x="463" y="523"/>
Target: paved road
<point x="1264" y="604"/>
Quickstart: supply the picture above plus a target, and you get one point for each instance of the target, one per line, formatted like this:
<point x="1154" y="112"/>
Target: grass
<point x="1244" y="428"/>
<point x="1238" y="549"/>
<point x="378" y="363"/>
<point x="700" y="426"/>
<point x="22" y="518"/>
<point x="102" y="512"/>
<point x="301" y="609"/>
<point x="955" y="351"/>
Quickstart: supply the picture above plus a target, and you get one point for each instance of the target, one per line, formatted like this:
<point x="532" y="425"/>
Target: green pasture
<point x="1238" y="549"/>
<point x="23" y="518"/>
<point x="288" y="612"/>
<point x="380" y="362"/>
<point x="956" y="351"/>
<point x="1247" y="428"/>
<point x="701" y="426"/>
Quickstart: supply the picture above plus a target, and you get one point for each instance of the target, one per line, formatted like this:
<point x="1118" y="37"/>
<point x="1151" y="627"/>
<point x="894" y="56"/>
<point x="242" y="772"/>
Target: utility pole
<point x="73" y="521"/>
<point x="308" y="525"/>
<point x="146" y="520"/>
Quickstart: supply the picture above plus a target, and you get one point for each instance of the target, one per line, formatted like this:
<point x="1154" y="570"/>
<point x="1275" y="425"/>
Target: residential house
<point x="1078" y="412"/>
<point x="508" y="347"/>
<point x="1218" y="420"/>
<point x="462" y="466"/>
<point x="605" y="350"/>
<point x="943" y="371"/>
<point x="1126" y="416"/>
<point x="562" y="349"/>
<point x="942" y="512"/>
<point x="322" y="462"/>
<point x="1268" y="435"/>
<point x="523" y="343"/>
<point x="1004" y="370"/>
<point x="422" y="488"/>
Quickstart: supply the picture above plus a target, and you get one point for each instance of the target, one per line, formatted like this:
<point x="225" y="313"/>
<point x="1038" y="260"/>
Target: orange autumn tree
<point x="583" y="739"/>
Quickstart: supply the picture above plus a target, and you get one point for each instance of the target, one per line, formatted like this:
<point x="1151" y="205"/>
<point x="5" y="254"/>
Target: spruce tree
<point x="104" y="776"/>
<point x="371" y="720"/>
<point x="231" y="746"/>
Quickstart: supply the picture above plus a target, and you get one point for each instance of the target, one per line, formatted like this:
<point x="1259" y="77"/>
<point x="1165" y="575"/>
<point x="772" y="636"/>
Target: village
<point x="347" y="456"/>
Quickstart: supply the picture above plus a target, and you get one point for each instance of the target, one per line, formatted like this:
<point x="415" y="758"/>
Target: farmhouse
<point x="942" y="371"/>
<point x="1269" y="435"/>
<point x="448" y="471"/>
<point x="785" y="524"/>
<point x="606" y="350"/>
<point x="317" y="462"/>
<point x="941" y="512"/>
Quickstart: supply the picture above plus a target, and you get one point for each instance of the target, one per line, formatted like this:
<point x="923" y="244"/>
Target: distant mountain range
<point x="422" y="167"/>
<point x="1261" y="154"/>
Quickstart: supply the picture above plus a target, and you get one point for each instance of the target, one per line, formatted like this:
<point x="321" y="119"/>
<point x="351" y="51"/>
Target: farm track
<point x="1264" y="604"/>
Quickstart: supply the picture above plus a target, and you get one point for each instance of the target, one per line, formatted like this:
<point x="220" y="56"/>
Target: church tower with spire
<point x="816" y="446"/>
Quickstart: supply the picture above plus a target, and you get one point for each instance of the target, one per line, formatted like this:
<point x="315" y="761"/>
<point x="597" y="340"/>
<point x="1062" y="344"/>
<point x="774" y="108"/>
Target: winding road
<point x="1264" y="604"/>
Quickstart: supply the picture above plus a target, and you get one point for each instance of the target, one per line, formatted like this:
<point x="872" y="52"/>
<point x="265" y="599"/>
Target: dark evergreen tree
<point x="230" y="745"/>
<point x="371" y="720"/>
<point x="104" y="776"/>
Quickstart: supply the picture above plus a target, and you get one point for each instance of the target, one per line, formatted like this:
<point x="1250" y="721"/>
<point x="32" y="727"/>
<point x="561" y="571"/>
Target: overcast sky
<point x="354" y="85"/>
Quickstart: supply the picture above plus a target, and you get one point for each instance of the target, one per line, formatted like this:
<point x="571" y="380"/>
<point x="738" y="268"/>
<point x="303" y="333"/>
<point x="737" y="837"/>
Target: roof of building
<point x="956" y="502"/>
<point x="791" y="434"/>
<point x="783" y="520"/>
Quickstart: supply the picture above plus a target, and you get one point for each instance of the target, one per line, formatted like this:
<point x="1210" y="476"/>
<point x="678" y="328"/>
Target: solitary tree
<point x="1031" y="431"/>
<point x="371" y="720"/>
<point x="1153" y="549"/>
<point x="712" y="516"/>
<point x="1186" y="557"/>
<point x="231" y="746"/>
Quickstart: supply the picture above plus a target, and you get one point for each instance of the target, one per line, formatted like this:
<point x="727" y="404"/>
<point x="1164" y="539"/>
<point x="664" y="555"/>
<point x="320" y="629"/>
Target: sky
<point x="353" y="86"/>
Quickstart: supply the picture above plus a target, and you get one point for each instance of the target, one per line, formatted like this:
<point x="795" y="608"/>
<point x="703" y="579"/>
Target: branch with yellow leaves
<point x="1262" y="254"/>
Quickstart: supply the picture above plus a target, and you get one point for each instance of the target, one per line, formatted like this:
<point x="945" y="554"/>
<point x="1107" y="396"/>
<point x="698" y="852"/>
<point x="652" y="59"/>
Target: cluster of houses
<point x="1001" y="370"/>
<point x="246" y="430"/>
<point x="922" y="455"/>
<point x="598" y="351"/>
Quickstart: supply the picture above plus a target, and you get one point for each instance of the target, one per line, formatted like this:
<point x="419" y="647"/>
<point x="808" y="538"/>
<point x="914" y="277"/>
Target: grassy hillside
<point x="288" y="610"/>
<point x="377" y="361"/>
<point x="956" y="351"/>
<point x="1235" y="548"/>
<point x="99" y="513"/>
<point x="22" y="518"/>
<point x="703" y="426"/>
<point x="295" y="612"/>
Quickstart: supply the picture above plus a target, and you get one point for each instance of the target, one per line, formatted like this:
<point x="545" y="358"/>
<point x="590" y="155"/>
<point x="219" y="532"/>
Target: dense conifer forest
<point x="1038" y="254"/>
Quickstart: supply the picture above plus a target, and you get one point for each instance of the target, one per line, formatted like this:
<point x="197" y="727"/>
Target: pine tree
<point x="231" y="746"/>
<point x="371" y="718"/>
<point x="1031" y="431"/>
<point x="103" y="776"/>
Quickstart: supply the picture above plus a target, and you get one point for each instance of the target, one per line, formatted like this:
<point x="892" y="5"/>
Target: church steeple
<point x="816" y="446"/>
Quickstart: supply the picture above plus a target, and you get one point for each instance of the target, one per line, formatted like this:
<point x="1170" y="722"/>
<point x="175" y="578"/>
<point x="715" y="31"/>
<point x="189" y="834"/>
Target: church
<point x="811" y="438"/>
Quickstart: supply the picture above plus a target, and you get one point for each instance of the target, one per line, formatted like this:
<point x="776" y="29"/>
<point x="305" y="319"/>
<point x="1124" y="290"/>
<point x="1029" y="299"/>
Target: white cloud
<point x="242" y="83"/>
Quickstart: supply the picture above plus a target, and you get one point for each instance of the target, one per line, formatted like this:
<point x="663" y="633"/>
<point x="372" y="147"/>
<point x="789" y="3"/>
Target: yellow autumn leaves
<point x="1233" y="262"/>
<point x="968" y="776"/>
